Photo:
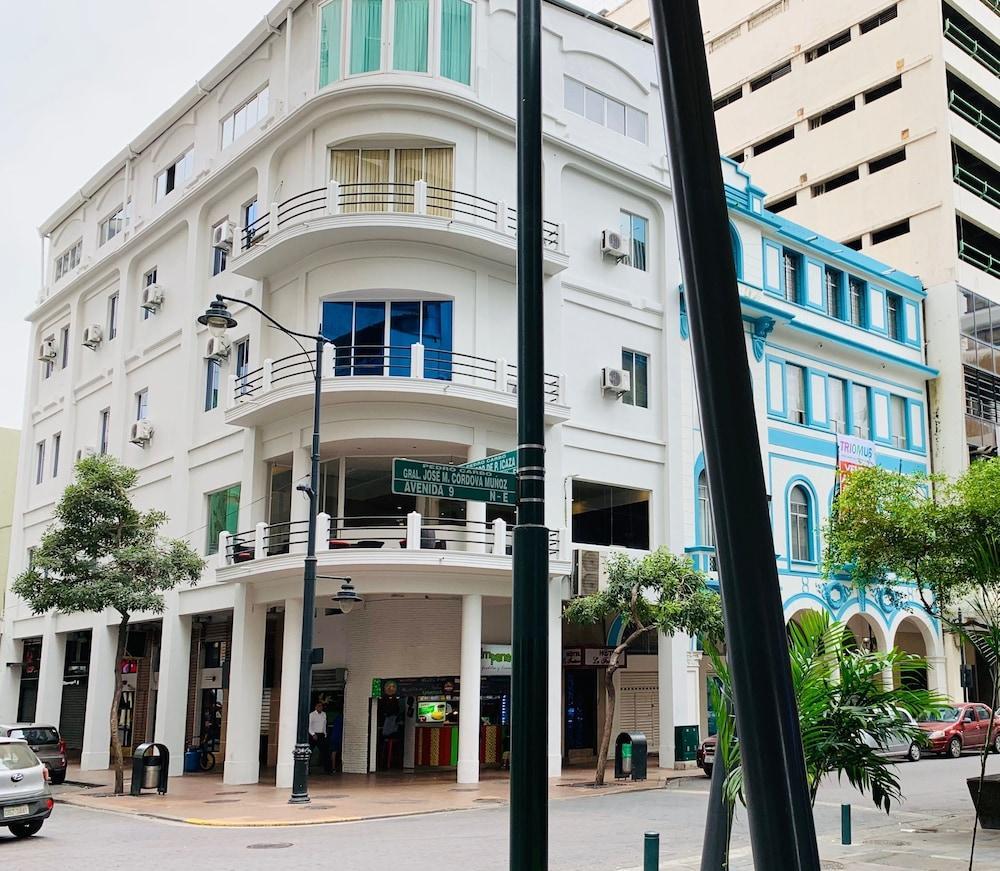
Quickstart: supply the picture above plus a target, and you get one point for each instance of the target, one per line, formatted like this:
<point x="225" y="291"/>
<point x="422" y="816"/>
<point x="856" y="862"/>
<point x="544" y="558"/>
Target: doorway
<point x="581" y="713"/>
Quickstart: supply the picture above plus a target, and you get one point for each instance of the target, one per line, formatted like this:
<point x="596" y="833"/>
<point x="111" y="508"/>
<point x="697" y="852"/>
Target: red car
<point x="960" y="727"/>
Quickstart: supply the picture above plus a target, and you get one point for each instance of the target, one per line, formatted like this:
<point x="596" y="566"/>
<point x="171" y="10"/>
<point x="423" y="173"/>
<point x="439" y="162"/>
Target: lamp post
<point x="218" y="319"/>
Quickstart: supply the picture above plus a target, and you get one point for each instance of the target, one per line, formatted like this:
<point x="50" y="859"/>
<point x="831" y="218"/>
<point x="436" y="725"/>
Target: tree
<point x="657" y="592"/>
<point x="102" y="552"/>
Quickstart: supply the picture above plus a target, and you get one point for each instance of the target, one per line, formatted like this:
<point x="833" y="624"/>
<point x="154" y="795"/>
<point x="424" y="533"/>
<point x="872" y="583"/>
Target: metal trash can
<point x="685" y="743"/>
<point x="630" y="756"/>
<point x="150" y="772"/>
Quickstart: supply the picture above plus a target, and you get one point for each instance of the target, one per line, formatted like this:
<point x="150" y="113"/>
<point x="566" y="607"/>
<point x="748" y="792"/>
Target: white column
<point x="664" y="663"/>
<point x="468" y="712"/>
<point x="96" y="752"/>
<point x="678" y="694"/>
<point x="937" y="675"/>
<point x="245" y="689"/>
<point x="172" y="683"/>
<point x="475" y="512"/>
<point x="50" y="675"/>
<point x="11" y="651"/>
<point x="555" y="711"/>
<point x="291" y="644"/>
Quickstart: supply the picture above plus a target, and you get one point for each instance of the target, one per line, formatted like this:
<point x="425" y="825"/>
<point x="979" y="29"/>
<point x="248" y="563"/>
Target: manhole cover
<point x="830" y="866"/>
<point x="319" y="807"/>
<point x="222" y="801"/>
<point x="233" y="792"/>
<point x="490" y="800"/>
<point x="276" y="845"/>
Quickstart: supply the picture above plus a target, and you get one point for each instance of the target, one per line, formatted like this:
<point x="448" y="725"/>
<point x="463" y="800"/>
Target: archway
<point x="863" y="633"/>
<point x="910" y="637"/>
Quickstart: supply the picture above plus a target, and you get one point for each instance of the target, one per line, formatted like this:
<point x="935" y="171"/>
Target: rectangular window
<point x="223" y="515"/>
<point x="828" y="46"/>
<point x="834" y="281"/>
<point x="409" y="35"/>
<point x="635" y="228"/>
<point x="56" y="448"/>
<point x="883" y="17"/>
<point x="612" y="516"/>
<point x="894" y="313"/>
<point x="213" y="370"/>
<point x="219" y="257"/>
<point x="860" y="412"/>
<point x="795" y="386"/>
<point x="832" y="114"/>
<point x="883" y="90"/>
<point x="39" y="462"/>
<point x="606" y="111"/>
<point x="329" y="42"/>
<point x="69" y="259"/>
<point x="111" y="226"/>
<point x="891" y="232"/>
<point x="368" y="491"/>
<point x="64" y="347"/>
<point x="142" y="404"/>
<point x="856" y="300"/>
<point x="727" y="98"/>
<point x="897" y="420"/>
<point x="637" y="365"/>
<point x="112" y="316"/>
<point x="104" y="431"/>
<point x="175" y="175"/>
<point x="887" y="160"/>
<point x="838" y="404"/>
<point x="766" y="145"/>
<point x="456" y="40"/>
<point x="148" y="279"/>
<point x="771" y="76"/>
<point x="245" y="117"/>
<point x="366" y="36"/>
<point x="793" y="268"/>
<point x="48" y="366"/>
<point x="782" y="204"/>
<point x="242" y="348"/>
<point x="837" y="181"/>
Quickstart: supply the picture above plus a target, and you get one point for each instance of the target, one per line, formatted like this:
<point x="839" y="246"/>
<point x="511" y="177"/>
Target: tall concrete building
<point x="9" y="441"/>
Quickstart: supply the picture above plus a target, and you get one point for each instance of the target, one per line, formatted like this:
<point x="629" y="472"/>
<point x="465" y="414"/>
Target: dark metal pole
<point x="301" y="753"/>
<point x="782" y="833"/>
<point x="529" y="683"/>
<point x="715" y="846"/>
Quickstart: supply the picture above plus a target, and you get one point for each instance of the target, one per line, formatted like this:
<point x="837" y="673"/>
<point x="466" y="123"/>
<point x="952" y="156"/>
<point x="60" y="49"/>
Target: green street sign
<point x="414" y="478"/>
<point x="505" y="462"/>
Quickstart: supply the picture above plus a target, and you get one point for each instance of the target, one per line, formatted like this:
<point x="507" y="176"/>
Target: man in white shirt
<point x="318" y="736"/>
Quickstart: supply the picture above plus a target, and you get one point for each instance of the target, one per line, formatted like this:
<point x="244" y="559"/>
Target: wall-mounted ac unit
<point x="590" y="571"/>
<point x="613" y="244"/>
<point x="47" y="351"/>
<point x="615" y="380"/>
<point x="217" y="348"/>
<point x="92" y="336"/>
<point x="152" y="297"/>
<point x="85" y="452"/>
<point x="222" y="236"/>
<point x="141" y="432"/>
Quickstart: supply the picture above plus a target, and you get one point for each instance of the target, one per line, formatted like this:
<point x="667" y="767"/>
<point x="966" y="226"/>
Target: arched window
<point x="737" y="250"/>
<point x="706" y="523"/>
<point x="800" y="524"/>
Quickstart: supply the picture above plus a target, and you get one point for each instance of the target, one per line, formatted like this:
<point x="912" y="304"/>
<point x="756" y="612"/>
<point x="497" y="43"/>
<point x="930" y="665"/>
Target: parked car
<point x="45" y="741"/>
<point x="706" y="755"/>
<point x="25" y="797"/>
<point x="964" y="726"/>
<point x="902" y="745"/>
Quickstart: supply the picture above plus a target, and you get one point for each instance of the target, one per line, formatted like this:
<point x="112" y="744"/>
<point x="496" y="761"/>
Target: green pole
<point x="651" y="851"/>
<point x="845" y="824"/>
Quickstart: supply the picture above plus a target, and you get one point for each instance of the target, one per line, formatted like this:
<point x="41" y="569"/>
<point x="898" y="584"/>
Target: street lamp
<point x="218" y="319"/>
<point x="347" y="597"/>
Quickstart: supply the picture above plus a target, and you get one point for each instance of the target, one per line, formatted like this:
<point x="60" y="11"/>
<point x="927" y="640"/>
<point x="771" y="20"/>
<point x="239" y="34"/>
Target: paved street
<point x="590" y="833"/>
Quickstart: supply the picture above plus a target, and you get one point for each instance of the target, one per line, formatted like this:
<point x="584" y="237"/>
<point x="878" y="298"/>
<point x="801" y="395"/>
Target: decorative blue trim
<point x="762" y="328"/>
<point x="795" y="441"/>
<point x="916" y="428"/>
<point x="684" y="324"/>
<point x="911" y="322"/>
<point x="615" y="631"/>
<point x="813" y="416"/>
<point x="806" y="484"/>
<point x="771" y="366"/>
<point x="772" y="272"/>
<point x="879" y="435"/>
<point x="876" y="313"/>
<point x="814" y="296"/>
<point x="900" y="464"/>
<point x="699" y="467"/>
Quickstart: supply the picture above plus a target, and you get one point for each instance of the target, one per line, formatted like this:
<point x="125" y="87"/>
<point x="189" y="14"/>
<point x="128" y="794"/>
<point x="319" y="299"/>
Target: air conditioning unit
<point x="152" y="297"/>
<point x="92" y="336"/>
<point x="222" y="236"/>
<point x="590" y="571"/>
<point x="85" y="452"/>
<point x="613" y="244"/>
<point x="218" y="348"/>
<point x="47" y="351"/>
<point x="615" y="380"/>
<point x="141" y="432"/>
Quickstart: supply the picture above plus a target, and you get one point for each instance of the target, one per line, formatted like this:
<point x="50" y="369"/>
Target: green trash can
<point x="685" y="743"/>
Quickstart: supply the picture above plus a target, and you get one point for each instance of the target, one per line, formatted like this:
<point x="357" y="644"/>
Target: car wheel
<point x="913" y="754"/>
<point x="58" y="777"/>
<point x="708" y="770"/>
<point x="955" y="747"/>
<point x="995" y="746"/>
<point x="25" y="830"/>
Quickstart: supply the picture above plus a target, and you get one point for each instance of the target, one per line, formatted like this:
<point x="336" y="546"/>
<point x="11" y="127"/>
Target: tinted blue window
<point x="404" y="330"/>
<point x="437" y="340"/>
<point x="369" y="338"/>
<point x="338" y="327"/>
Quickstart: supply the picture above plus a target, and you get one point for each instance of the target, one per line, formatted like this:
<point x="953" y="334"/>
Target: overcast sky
<point x="77" y="82"/>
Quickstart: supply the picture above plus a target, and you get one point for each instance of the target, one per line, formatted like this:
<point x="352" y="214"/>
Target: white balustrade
<point x="501" y="375"/>
<point x="420" y="197"/>
<point x="266" y="375"/>
<point x="333" y="197"/>
<point x="259" y="539"/>
<point x="272" y="220"/>
<point x="413" y="526"/>
<point x="499" y="537"/>
<point x="223" y="556"/>
<point x="322" y="531"/>
<point x="416" y="360"/>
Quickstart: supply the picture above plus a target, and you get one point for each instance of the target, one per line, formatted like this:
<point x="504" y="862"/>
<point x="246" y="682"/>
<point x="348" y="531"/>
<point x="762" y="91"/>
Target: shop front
<point x="583" y="675"/>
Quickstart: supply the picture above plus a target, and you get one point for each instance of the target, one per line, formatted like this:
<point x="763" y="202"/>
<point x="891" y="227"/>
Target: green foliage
<point x="845" y="709"/>
<point x="102" y="552"/>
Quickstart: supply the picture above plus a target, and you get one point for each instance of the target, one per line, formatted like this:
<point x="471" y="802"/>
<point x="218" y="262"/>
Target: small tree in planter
<point x="102" y="552"/>
<point x="658" y="592"/>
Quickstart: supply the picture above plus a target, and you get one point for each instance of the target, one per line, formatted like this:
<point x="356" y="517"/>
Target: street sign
<point x="415" y="478"/>
<point x="505" y="462"/>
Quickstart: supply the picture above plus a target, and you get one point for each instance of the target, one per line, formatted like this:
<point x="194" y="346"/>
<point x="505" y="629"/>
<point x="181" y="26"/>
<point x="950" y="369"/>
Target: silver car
<point x="25" y="797"/>
<point x="902" y="745"/>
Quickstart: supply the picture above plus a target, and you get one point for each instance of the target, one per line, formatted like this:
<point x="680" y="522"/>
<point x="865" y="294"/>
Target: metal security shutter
<point x="74" y="706"/>
<point x="639" y="706"/>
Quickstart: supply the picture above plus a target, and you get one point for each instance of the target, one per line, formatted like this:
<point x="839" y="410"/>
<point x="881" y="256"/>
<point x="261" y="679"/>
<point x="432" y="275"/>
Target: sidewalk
<point x="204" y="800"/>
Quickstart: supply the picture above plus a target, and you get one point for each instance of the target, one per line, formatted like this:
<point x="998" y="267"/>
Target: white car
<point x="25" y="797"/>
<point x="902" y="745"/>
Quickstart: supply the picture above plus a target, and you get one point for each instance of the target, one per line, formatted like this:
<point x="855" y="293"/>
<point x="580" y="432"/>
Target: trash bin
<point x="150" y="772"/>
<point x="150" y="764"/>
<point x="630" y="756"/>
<point x="685" y="743"/>
<point x="191" y="761"/>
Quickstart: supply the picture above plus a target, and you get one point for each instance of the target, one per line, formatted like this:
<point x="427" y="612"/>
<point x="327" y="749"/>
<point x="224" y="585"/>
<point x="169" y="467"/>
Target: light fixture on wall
<point x="347" y="597"/>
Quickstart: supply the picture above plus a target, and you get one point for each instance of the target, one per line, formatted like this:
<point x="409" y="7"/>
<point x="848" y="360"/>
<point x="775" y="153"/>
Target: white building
<point x="350" y="168"/>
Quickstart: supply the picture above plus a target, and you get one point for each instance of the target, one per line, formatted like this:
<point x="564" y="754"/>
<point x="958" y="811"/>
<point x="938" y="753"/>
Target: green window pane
<point x="456" y="40"/>
<point x="366" y="35"/>
<point x="223" y="515"/>
<point x="410" y="36"/>
<point x="329" y="43"/>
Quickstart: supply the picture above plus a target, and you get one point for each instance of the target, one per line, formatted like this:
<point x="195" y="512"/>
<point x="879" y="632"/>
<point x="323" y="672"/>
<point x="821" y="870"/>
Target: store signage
<point x="591" y="657"/>
<point x="415" y="478"/>
<point x="376" y="688"/>
<point x="854" y="453"/>
<point x="505" y="462"/>
<point x="496" y="659"/>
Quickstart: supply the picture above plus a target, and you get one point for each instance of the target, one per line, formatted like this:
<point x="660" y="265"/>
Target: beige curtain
<point x="344" y="170"/>
<point x="374" y="177"/>
<point x="438" y="174"/>
<point x="409" y="168"/>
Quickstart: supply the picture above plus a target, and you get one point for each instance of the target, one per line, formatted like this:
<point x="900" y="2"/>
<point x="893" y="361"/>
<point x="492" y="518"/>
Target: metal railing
<point x="980" y="259"/>
<point x="392" y="361"/>
<point x="979" y="186"/>
<point x="414" y="198"/>
<point x="975" y="116"/>
<point x="994" y="5"/>
<point x="703" y="557"/>
<point x="971" y="46"/>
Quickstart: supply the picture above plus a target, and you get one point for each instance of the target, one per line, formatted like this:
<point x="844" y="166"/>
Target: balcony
<point x="400" y="553"/>
<point x="386" y="211"/>
<point x="975" y="115"/>
<point x="376" y="373"/>
<point x="968" y="38"/>
<point x="704" y="559"/>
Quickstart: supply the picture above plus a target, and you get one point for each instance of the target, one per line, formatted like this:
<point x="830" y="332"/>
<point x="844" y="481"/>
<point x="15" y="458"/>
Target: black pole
<point x="529" y="682"/>
<point x="782" y="833"/>
<point x="301" y="753"/>
<point x="715" y="846"/>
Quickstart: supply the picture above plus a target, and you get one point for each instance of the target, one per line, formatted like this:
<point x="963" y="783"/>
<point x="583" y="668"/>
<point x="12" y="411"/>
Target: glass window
<point x="635" y="229"/>
<point x="607" y="515"/>
<point x="795" y="386"/>
<point x="112" y="316"/>
<point x="368" y="492"/>
<point x="219" y="257"/>
<point x="17" y="757"/>
<point x="594" y="106"/>
<point x="366" y="36"/>
<point x="56" y="448"/>
<point x="176" y="174"/>
<point x="69" y="259"/>
<point x="606" y="111"/>
<point x="142" y="404"/>
<point x="706" y="520"/>
<point x="800" y="525"/>
<point x="242" y="363"/>
<point x="834" y="306"/>
<point x="409" y="39"/>
<point x="213" y="370"/>
<point x="856" y="292"/>
<point x="894" y="312"/>
<point x="637" y="365"/>
<point x="364" y="176"/>
<point x="860" y="411"/>
<point x="329" y="486"/>
<point x="329" y="43"/>
<point x="112" y="226"/>
<point x="104" y="430"/>
<point x="456" y="40"/>
<point x="148" y="279"/>
<point x="838" y="404"/>
<point x="223" y="515"/>
<point x="615" y="115"/>
<point x="636" y="124"/>
<point x="246" y="117"/>
<point x="897" y="420"/>
<point x="791" y="263"/>
<point x="575" y="95"/>
<point x="64" y="343"/>
<point x="39" y="462"/>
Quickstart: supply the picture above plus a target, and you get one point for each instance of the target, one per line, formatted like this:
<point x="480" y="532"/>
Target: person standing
<point x="318" y="736"/>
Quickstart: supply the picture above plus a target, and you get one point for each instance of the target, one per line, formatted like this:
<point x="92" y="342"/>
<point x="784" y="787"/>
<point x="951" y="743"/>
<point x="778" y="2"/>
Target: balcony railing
<point x="980" y="187"/>
<point x="405" y="361"/>
<point x="994" y="5"/>
<point x="412" y="532"/>
<point x="962" y="107"/>
<point x="971" y="46"/>
<point x="980" y="259"/>
<point x="703" y="557"/>
<point x="367" y="198"/>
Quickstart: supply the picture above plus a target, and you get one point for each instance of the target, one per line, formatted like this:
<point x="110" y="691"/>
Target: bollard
<point x="651" y="851"/>
<point x="845" y="824"/>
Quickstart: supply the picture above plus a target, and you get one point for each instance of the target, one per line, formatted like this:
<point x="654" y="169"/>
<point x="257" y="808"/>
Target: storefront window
<point x="368" y="492"/>
<point x="607" y="515"/>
